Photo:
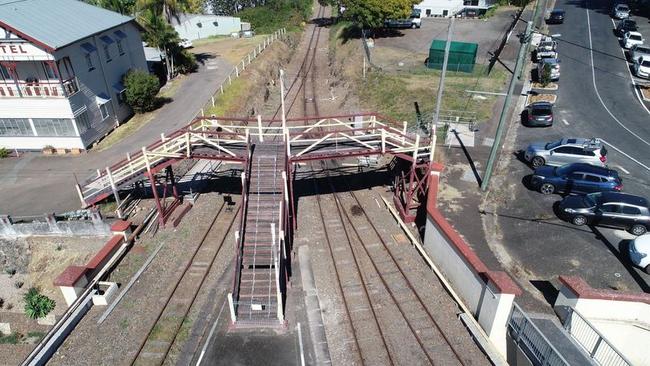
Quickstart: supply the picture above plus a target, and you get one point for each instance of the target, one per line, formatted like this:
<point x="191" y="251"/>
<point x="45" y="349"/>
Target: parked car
<point x="632" y="38"/>
<point x="621" y="11"/>
<point x="639" y="50"/>
<point x="546" y="49"/>
<point x="642" y="67"/>
<point x="626" y="25"/>
<point x="553" y="63"/>
<point x="414" y="21"/>
<point x="610" y="209"/>
<point x="539" y="114"/>
<point x="575" y="178"/>
<point x="555" y="17"/>
<point x="566" y="151"/>
<point x="185" y="43"/>
<point x="639" y="251"/>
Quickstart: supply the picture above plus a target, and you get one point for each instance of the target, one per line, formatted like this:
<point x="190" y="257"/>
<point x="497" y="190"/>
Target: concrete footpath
<point x="35" y="184"/>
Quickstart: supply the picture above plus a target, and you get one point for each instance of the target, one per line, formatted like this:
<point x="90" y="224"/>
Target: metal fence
<point x="531" y="341"/>
<point x="599" y="349"/>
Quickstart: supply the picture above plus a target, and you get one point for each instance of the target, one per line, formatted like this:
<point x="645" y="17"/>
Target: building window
<point x="199" y="25"/>
<point x="89" y="62"/>
<point x="4" y="73"/>
<point x="107" y="53"/>
<point x="103" y="110"/>
<point x="15" y="127"/>
<point x="53" y="127"/>
<point x="119" y="47"/>
<point x="83" y="122"/>
<point x="216" y="24"/>
<point x="49" y="71"/>
<point x="121" y="97"/>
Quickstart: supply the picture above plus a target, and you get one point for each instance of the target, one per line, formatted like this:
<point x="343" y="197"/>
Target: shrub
<point x="37" y="305"/>
<point x="185" y="62"/>
<point x="141" y="90"/>
<point x="4" y="153"/>
<point x="12" y="338"/>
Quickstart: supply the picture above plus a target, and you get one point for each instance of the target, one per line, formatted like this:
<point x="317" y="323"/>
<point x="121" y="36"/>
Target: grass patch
<point x="228" y="102"/>
<point x="394" y="94"/>
<point x="126" y="129"/>
<point x="13" y="338"/>
<point x="38" y="335"/>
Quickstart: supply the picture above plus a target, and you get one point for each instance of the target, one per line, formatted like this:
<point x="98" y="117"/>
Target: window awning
<point x="79" y="111"/>
<point x="107" y="39"/>
<point x="119" y="34"/>
<point x="118" y="87"/>
<point x="88" y="47"/>
<point x="102" y="98"/>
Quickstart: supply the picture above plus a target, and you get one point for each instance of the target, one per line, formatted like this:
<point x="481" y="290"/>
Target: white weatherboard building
<point x="446" y="8"/>
<point x="196" y="26"/>
<point x="61" y="69"/>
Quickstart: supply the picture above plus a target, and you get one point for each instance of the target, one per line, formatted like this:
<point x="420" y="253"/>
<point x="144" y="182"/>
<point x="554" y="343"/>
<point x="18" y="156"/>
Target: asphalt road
<point x="595" y="99"/>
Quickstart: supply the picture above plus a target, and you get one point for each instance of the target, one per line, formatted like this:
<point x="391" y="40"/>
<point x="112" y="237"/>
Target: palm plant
<point x="159" y="34"/>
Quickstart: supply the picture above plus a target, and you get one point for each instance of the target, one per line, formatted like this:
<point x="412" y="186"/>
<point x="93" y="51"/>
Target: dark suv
<point x="617" y="210"/>
<point x="626" y="25"/>
<point x="556" y="17"/>
<point x="575" y="178"/>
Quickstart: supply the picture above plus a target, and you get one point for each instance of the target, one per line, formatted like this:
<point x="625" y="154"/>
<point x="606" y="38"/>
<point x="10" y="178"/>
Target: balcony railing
<point x="41" y="89"/>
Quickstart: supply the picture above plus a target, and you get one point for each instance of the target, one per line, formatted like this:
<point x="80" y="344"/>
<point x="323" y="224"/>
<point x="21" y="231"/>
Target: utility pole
<point x="441" y="86"/>
<point x="506" y="104"/>
<point x="284" y="116"/>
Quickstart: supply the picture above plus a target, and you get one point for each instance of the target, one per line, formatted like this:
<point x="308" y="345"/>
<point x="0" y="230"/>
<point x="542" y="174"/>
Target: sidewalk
<point x="35" y="184"/>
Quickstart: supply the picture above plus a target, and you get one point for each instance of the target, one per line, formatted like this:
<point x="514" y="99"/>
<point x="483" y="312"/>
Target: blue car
<point x="575" y="178"/>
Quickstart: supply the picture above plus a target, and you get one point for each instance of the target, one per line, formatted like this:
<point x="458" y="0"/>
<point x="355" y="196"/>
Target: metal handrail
<point x="594" y="353"/>
<point x="538" y="346"/>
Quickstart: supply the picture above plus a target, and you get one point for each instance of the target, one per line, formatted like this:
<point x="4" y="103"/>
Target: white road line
<point x="627" y="67"/>
<point x="207" y="342"/>
<point x="565" y="121"/>
<point x="622" y="169"/>
<point x="593" y="78"/>
<point x="302" y="352"/>
<point x="626" y="155"/>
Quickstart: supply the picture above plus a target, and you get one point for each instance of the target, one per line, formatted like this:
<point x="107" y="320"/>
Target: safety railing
<point x="531" y="341"/>
<point x="599" y="348"/>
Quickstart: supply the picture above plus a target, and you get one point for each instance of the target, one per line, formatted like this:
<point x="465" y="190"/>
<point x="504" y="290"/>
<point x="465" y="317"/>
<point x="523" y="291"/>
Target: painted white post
<point x="259" y="127"/>
<point x="277" y="275"/>
<point x="229" y="80"/>
<point x="202" y="112"/>
<point x="383" y="141"/>
<point x="212" y="97"/>
<point x="162" y="137"/>
<point x="237" y="70"/>
<point x="81" y="196"/>
<point x="284" y="114"/>
<point x="404" y="132"/>
<point x="115" y="193"/>
<point x="221" y="88"/>
<point x="243" y="65"/>
<point x="128" y="158"/>
<point x="417" y="146"/>
<point x="99" y="173"/>
<point x="288" y="139"/>
<point x="231" y="305"/>
<point x="249" y="58"/>
<point x="146" y="160"/>
<point x="187" y="142"/>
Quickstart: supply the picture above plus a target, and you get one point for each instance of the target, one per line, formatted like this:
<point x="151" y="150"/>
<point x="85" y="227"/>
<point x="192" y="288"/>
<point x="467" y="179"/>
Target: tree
<point x="160" y="34"/>
<point x="124" y="7"/>
<point x="36" y="304"/>
<point x="168" y="8"/>
<point x="373" y="13"/>
<point x="141" y="90"/>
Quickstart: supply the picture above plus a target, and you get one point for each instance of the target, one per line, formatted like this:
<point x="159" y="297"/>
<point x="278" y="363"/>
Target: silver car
<point x="567" y="151"/>
<point x="621" y="11"/>
<point x="639" y="50"/>
<point x="554" y="65"/>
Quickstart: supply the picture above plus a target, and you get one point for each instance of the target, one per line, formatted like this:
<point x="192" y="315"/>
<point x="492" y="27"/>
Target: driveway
<point x="35" y="184"/>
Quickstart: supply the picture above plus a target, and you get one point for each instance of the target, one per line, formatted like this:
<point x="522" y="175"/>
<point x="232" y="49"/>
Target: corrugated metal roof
<point x="57" y="23"/>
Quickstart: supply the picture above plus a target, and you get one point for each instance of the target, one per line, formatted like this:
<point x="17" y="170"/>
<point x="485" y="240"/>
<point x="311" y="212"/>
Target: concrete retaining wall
<point x="48" y="225"/>
<point x="488" y="294"/>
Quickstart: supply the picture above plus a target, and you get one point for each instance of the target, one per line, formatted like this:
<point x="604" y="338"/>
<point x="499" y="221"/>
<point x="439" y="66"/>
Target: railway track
<point x="155" y="347"/>
<point x="357" y="237"/>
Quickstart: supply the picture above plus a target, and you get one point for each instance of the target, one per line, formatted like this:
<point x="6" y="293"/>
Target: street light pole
<point x="441" y="86"/>
<point x="506" y="104"/>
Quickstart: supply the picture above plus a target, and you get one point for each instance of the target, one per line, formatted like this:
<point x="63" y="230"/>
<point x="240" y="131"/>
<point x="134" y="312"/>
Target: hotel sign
<point x="22" y="51"/>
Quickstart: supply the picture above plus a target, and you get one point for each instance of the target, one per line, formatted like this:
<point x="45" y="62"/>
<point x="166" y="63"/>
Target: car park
<point x="609" y="209"/>
<point x="553" y="64"/>
<point x="642" y="67"/>
<point x="639" y="50"/>
<point x="556" y="17"/>
<point x="566" y="151"/>
<point x="575" y="178"/>
<point x="639" y="251"/>
<point x="632" y="38"/>
<point x="539" y="114"/>
<point x="626" y="25"/>
<point x="546" y="49"/>
<point x="621" y="11"/>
